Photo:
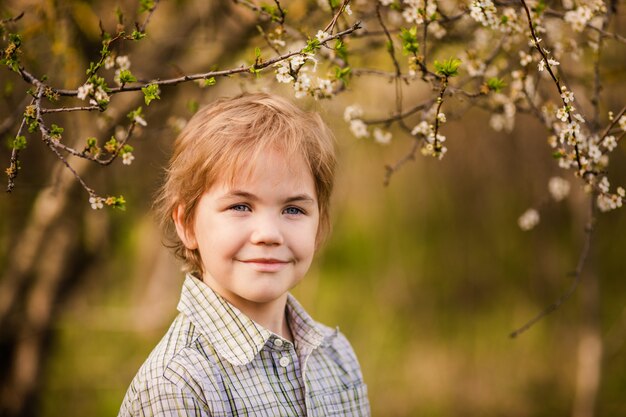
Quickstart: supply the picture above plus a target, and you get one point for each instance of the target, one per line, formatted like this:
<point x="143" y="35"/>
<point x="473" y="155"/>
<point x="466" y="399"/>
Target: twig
<point x="577" y="275"/>
<point x="544" y="57"/>
<point x="329" y="28"/>
<point x="70" y="109"/>
<point x="410" y="156"/>
<point x="206" y="75"/>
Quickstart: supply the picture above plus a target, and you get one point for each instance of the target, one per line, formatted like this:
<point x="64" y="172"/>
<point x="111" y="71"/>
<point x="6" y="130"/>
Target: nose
<point x="266" y="231"/>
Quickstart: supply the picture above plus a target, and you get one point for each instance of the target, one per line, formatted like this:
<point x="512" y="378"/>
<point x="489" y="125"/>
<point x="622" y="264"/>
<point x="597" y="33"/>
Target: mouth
<point x="266" y="264"/>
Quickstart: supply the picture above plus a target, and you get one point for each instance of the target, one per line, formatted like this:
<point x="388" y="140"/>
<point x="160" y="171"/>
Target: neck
<point x="271" y="315"/>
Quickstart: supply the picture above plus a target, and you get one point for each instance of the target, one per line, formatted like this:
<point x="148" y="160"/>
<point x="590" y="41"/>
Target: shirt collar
<point x="236" y="337"/>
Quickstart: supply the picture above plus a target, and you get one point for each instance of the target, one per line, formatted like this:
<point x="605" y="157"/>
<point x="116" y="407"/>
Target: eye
<point x="293" y="211"/>
<point x="239" y="207"/>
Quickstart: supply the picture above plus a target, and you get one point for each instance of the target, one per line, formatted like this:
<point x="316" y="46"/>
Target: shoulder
<point x="338" y="348"/>
<point x="169" y="381"/>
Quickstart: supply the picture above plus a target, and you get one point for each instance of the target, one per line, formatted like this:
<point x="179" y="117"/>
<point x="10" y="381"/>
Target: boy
<point x="247" y="192"/>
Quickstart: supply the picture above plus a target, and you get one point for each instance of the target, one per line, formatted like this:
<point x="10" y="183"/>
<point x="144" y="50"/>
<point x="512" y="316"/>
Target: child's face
<point x="257" y="236"/>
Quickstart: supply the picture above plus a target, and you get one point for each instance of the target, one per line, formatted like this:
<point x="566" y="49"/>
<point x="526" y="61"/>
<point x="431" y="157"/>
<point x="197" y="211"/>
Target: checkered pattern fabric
<point x="215" y="361"/>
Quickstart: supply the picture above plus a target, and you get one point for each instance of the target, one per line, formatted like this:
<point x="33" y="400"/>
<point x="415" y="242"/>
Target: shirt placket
<point x="289" y="372"/>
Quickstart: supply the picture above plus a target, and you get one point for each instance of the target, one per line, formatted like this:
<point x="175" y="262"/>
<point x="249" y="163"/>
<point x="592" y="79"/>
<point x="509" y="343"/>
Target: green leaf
<point x="209" y="82"/>
<point x="496" y="84"/>
<point x="341" y="50"/>
<point x="56" y="132"/>
<point x="19" y="143"/>
<point x="410" y="46"/>
<point x="146" y="5"/>
<point x="127" y="77"/>
<point x="151" y="92"/>
<point x="448" y="68"/>
<point x="343" y="74"/>
<point x="137" y="35"/>
<point x="311" y="46"/>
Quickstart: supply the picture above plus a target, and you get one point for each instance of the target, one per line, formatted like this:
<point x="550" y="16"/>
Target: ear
<point x="184" y="232"/>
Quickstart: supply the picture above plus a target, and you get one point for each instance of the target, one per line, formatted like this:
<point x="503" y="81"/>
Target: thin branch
<point x="329" y="28"/>
<point x="70" y="109"/>
<point x="584" y="253"/>
<point x="185" y="78"/>
<point x="544" y="57"/>
<point x="410" y="156"/>
<point x="613" y="123"/>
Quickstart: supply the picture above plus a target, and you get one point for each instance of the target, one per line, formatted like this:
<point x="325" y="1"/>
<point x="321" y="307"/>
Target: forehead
<point x="269" y="168"/>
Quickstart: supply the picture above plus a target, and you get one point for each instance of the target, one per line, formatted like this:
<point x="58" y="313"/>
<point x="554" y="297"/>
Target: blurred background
<point x="427" y="276"/>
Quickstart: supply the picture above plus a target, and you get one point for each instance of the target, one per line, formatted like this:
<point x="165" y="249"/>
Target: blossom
<point x="423" y="128"/>
<point x="321" y="35"/>
<point x="348" y="10"/>
<point x="609" y="143"/>
<point x="359" y="128"/>
<point x="525" y="58"/>
<point x="622" y="123"/>
<point x="283" y="74"/>
<point x="386" y="2"/>
<point x="441" y="117"/>
<point x="96" y="202"/>
<point x="122" y="62"/>
<point x="127" y="158"/>
<point x="324" y="88"/>
<point x="109" y="62"/>
<point x="382" y="137"/>
<point x="578" y="18"/>
<point x="559" y="188"/>
<point x="302" y="85"/>
<point x="608" y="202"/>
<point x="541" y="65"/>
<point x="529" y="219"/>
<point x="562" y="113"/>
<point x="101" y="95"/>
<point x="140" y="120"/>
<point x="84" y="91"/>
<point x="604" y="185"/>
<point x="352" y="112"/>
<point x="567" y="96"/>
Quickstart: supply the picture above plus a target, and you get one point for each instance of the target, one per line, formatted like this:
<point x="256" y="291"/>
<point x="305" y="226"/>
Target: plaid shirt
<point x="215" y="361"/>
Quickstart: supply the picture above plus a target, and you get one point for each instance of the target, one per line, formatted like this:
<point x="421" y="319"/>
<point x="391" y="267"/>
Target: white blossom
<point x="84" y="91"/>
<point x="321" y="35"/>
<point x="578" y="18"/>
<point x="528" y="220"/>
<point x="140" y="120"/>
<point x="622" y="123"/>
<point x="109" y="62"/>
<point x="348" y="10"/>
<point x="562" y="114"/>
<point x="123" y="62"/>
<point x="567" y="96"/>
<point x="382" y="136"/>
<point x="441" y="117"/>
<point x="359" y="128"/>
<point x="96" y="202"/>
<point x="422" y="128"/>
<point x="609" y="143"/>
<point x="559" y="188"/>
<point x="525" y="58"/>
<point x="127" y="158"/>
<point x="608" y="202"/>
<point x="352" y="112"/>
<point x="604" y="185"/>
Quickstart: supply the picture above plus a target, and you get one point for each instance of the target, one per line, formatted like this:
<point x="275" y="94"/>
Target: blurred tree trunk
<point x="590" y="347"/>
<point x="49" y="257"/>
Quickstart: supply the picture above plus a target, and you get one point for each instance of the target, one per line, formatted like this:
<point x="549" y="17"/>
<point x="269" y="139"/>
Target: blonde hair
<point x="223" y="139"/>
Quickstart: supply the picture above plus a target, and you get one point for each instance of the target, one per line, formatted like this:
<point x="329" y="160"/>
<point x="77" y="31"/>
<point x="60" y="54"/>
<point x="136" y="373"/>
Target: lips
<point x="266" y="264"/>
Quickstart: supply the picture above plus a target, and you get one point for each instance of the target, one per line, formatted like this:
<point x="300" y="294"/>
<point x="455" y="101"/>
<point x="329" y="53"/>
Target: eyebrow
<point x="305" y="198"/>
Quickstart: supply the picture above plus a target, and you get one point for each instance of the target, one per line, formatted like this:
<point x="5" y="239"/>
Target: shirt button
<point x="284" y="361"/>
<point x="278" y="342"/>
